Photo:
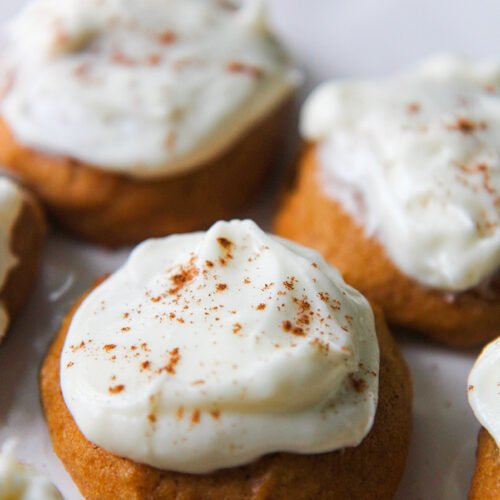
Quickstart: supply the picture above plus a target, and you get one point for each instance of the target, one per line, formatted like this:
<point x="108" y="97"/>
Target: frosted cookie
<point x="399" y="187"/>
<point x="227" y="364"/>
<point x="21" y="482"/>
<point x="22" y="230"/>
<point x="484" y="398"/>
<point x="136" y="118"/>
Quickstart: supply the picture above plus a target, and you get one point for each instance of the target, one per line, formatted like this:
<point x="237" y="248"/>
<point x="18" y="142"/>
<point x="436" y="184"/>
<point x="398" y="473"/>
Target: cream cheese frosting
<point x="484" y="389"/>
<point x="415" y="158"/>
<point x="147" y="88"/>
<point x="11" y="201"/>
<point x="208" y="350"/>
<point x="21" y="482"/>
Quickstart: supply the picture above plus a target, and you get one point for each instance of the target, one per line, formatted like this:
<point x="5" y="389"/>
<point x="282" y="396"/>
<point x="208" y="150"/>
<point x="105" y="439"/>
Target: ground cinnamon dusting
<point x="225" y="4"/>
<point x="171" y="139"/>
<point x="60" y="36"/>
<point x="116" y="389"/>
<point x="154" y="59"/>
<point x="224" y="242"/>
<point x="186" y="274"/>
<point x="359" y="384"/>
<point x="174" y="359"/>
<point x="195" y="417"/>
<point x="240" y="67"/>
<point x="167" y="37"/>
<point x="119" y="57"/>
<point x="467" y="126"/>
<point x="81" y="69"/>
<point x="413" y="108"/>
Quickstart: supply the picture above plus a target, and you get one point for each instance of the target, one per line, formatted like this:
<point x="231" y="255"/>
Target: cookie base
<point x="114" y="209"/>
<point x="486" y="480"/>
<point x="313" y="219"/>
<point x="27" y="239"/>
<point x="371" y="470"/>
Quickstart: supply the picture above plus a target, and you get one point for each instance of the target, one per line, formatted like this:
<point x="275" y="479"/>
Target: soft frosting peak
<point x="208" y="350"/>
<point x="484" y="383"/>
<point x="416" y="159"/>
<point x="144" y="87"/>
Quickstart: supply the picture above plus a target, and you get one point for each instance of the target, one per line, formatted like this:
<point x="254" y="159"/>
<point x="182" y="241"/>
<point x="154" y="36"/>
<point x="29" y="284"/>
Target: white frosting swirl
<point x="416" y="159"/>
<point x="143" y="87"/>
<point x="208" y="350"/>
<point x="484" y="389"/>
<point x="11" y="201"/>
<point x="21" y="482"/>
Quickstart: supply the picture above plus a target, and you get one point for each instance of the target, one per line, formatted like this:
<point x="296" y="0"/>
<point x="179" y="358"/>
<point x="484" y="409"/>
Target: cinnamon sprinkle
<point x="195" y="417"/>
<point x="174" y="359"/>
<point x="246" y="69"/>
<point x="167" y="37"/>
<point x="413" y="108"/>
<point x="467" y="126"/>
<point x="358" y="384"/>
<point x="116" y="389"/>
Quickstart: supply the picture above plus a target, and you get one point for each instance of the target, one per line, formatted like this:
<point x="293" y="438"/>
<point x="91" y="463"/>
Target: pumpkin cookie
<point x="22" y="230"/>
<point x="399" y="187"/>
<point x="485" y="402"/>
<point x="130" y="125"/>
<point x="152" y="408"/>
<point x="20" y="481"/>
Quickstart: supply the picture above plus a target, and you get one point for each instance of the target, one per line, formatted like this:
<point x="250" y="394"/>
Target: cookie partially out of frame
<point x="114" y="209"/>
<point x="486" y="480"/>
<point x="371" y="470"/>
<point x="25" y="243"/>
<point x="312" y="218"/>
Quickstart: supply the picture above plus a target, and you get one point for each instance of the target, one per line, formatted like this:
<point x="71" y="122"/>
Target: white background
<point x="329" y="38"/>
